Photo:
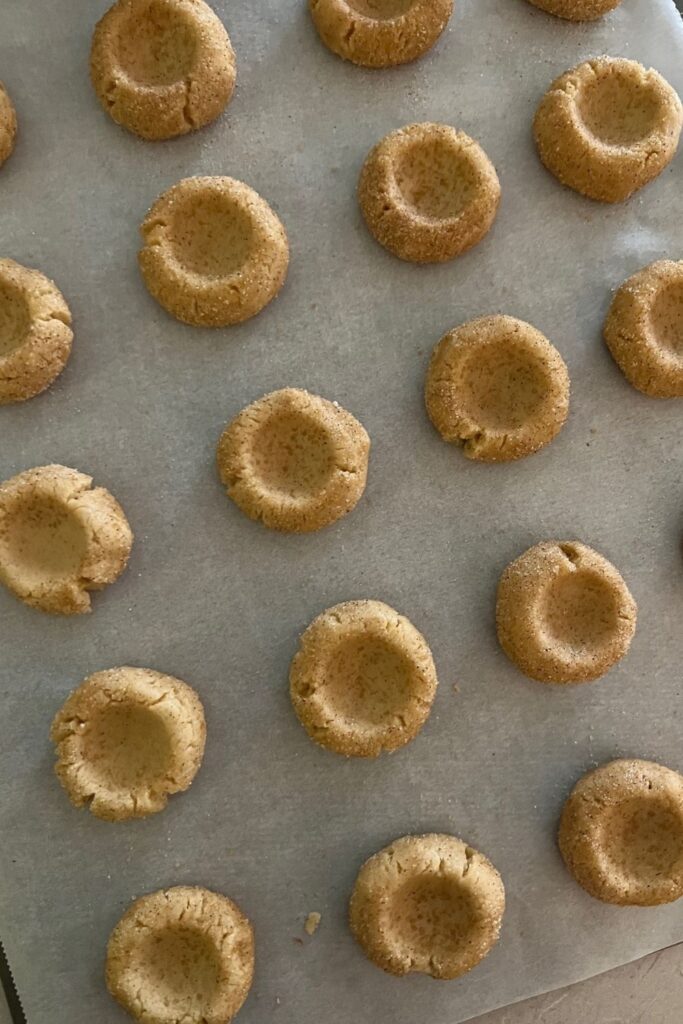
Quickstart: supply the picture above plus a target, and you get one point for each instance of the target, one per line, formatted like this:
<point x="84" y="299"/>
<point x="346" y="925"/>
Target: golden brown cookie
<point x="8" y="125"/>
<point x="35" y="332"/>
<point x="428" y="192"/>
<point x="363" y="680"/>
<point x="294" y="461"/>
<point x="60" y="538"/>
<point x="497" y="387"/>
<point x="607" y="127"/>
<point x="181" y="956"/>
<point x="644" y="329"/>
<point x="577" y="10"/>
<point x="214" y="251"/>
<point x="564" y="613"/>
<point x="429" y="904"/>
<point x="162" y="68"/>
<point x="126" y="739"/>
<point x="380" y="33"/>
<point x="621" y="833"/>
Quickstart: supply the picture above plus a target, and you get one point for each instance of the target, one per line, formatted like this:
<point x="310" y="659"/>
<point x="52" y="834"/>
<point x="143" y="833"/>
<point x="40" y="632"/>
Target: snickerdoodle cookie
<point x="35" y="332"/>
<point x="126" y="739"/>
<point x="363" y="680"/>
<point x="162" y="68"/>
<point x="497" y="387"/>
<point x="621" y="833"/>
<point x="429" y="904"/>
<point x="294" y="461"/>
<point x="214" y="251"/>
<point x="379" y="33"/>
<point x="428" y="192"/>
<point x="577" y="10"/>
<point x="607" y="127"/>
<point x="60" y="538"/>
<point x="8" y="124"/>
<point x="181" y="956"/>
<point x="564" y="613"/>
<point x="644" y="329"/>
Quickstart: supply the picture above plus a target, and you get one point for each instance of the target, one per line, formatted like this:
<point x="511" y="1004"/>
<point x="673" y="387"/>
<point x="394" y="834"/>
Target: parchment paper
<point x="275" y="822"/>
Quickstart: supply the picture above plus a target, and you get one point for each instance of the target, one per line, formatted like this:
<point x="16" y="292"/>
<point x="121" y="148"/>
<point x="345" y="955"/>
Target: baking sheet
<point x="275" y="822"/>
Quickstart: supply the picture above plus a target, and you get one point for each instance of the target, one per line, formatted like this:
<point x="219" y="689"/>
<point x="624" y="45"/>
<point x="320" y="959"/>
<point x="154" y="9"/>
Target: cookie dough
<point x="181" y="956"/>
<point x="497" y="387"/>
<point x="8" y="125"/>
<point x="380" y="33"/>
<point x="607" y="127"/>
<point x="214" y="252"/>
<point x="35" y="332"/>
<point x="428" y="193"/>
<point x="162" y="68"/>
<point x="363" y="680"/>
<point x="621" y="833"/>
<point x="429" y="904"/>
<point x="644" y="329"/>
<point x="577" y="10"/>
<point x="294" y="461"/>
<point x="126" y="739"/>
<point x="60" y="538"/>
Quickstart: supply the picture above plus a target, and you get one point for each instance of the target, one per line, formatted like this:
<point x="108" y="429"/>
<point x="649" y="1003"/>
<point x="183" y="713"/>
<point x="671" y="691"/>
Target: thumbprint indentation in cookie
<point x="182" y="969"/>
<point x="160" y="44"/>
<point x="618" y="108"/>
<point x="14" y="316"/>
<point x="434" y="916"/>
<point x="435" y="177"/>
<point x="44" y="538"/>
<point x="292" y="454"/>
<point x="581" y="610"/>
<point x="212" y="234"/>
<point x="644" y="838"/>
<point x="666" y="316"/>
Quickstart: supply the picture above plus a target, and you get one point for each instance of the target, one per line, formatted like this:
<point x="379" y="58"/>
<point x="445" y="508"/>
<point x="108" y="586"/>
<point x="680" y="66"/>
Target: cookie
<point x="498" y="388"/>
<point x="380" y="33"/>
<point x="577" y="10"/>
<point x="35" y="332"/>
<point x="8" y="125"/>
<point x="564" y="613"/>
<point x="363" y="680"/>
<point x="294" y="461"/>
<point x="607" y="127"/>
<point x="60" y="538"/>
<point x="181" y="956"/>
<point x="644" y="329"/>
<point x="126" y="739"/>
<point x="429" y="904"/>
<point x="428" y="193"/>
<point x="162" y="68"/>
<point x="621" y="833"/>
<point x="214" y="252"/>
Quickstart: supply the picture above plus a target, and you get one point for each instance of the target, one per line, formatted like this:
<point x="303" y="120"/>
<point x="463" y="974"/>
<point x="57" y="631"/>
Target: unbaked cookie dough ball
<point x="380" y="33"/>
<point x="214" y="251"/>
<point x="577" y="10"/>
<point x="429" y="904"/>
<point x="644" y="329"/>
<point x="498" y="388"/>
<point x="564" y="613"/>
<point x="428" y="193"/>
<point x="294" y="461"/>
<point x="35" y="332"/>
<point x="8" y="124"/>
<point x="181" y="956"/>
<point x="162" y="68"/>
<point x="60" y="538"/>
<point x="126" y="739"/>
<point x="607" y="127"/>
<point x="621" y="833"/>
<point x="363" y="680"/>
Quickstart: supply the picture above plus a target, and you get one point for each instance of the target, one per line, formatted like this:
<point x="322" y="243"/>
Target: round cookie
<point x="126" y="739"/>
<point x="497" y="387"/>
<point x="621" y="833"/>
<point x="60" y="538"/>
<point x="363" y="680"/>
<point x="181" y="956"/>
<point x="428" y="193"/>
<point x="214" y="251"/>
<point x="577" y="10"/>
<point x="380" y="33"/>
<point x="293" y="461"/>
<point x="644" y="329"/>
<point x="162" y="68"/>
<point x="35" y="332"/>
<point x="8" y="125"/>
<point x="429" y="904"/>
<point x="607" y="127"/>
<point x="564" y="613"/>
